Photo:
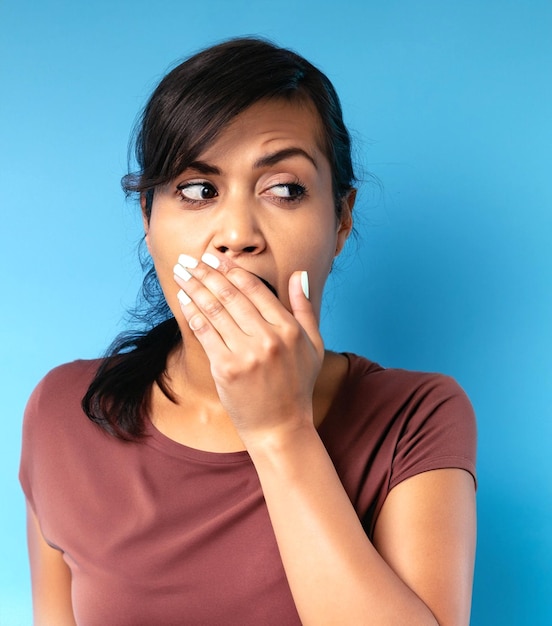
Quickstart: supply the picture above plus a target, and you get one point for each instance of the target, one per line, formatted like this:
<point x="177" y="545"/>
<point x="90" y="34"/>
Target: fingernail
<point x="187" y="261"/>
<point x="181" y="272"/>
<point x="210" y="260"/>
<point x="305" y="284"/>
<point x="183" y="298"/>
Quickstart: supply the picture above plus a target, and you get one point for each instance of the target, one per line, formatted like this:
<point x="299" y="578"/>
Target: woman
<point x="232" y="471"/>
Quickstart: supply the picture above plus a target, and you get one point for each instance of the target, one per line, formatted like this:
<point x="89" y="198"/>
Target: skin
<point x="50" y="579"/>
<point x="252" y="227"/>
<point x="245" y="209"/>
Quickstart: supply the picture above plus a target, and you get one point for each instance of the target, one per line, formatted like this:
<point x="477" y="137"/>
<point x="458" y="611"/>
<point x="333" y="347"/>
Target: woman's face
<point x="261" y="194"/>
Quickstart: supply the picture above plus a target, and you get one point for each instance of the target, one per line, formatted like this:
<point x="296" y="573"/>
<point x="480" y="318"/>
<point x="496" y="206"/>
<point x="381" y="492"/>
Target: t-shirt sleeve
<point x="28" y="452"/>
<point x="54" y="400"/>
<point x="439" y="432"/>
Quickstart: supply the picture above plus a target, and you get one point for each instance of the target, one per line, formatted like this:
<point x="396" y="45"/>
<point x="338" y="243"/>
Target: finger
<point x="210" y="339"/>
<point x="261" y="293"/>
<point x="248" y="282"/>
<point x="201" y="306"/>
<point x="242" y="293"/>
<point x="302" y="309"/>
<point x="224" y="307"/>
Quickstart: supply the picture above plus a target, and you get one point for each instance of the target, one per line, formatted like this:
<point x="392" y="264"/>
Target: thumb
<point x="302" y="308"/>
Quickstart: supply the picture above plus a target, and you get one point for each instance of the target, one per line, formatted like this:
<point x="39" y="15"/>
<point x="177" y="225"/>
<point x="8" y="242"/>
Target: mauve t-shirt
<point x="157" y="533"/>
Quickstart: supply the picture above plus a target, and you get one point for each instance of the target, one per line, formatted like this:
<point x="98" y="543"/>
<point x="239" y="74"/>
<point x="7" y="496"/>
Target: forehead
<point x="269" y="123"/>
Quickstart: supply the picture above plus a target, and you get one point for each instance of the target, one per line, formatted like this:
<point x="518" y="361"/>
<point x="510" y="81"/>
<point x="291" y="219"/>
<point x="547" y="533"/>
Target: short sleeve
<point x="46" y="419"/>
<point x="28" y="455"/>
<point x="439" y="432"/>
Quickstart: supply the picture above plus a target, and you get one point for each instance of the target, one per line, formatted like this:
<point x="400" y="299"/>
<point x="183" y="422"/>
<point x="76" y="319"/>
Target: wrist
<point x="284" y="442"/>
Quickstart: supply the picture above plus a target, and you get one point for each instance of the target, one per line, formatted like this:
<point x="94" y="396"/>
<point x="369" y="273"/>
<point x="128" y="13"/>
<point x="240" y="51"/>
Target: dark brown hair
<point x="184" y="115"/>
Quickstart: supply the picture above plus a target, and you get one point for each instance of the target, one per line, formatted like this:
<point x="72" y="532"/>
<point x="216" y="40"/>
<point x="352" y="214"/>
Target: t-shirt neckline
<point x="156" y="439"/>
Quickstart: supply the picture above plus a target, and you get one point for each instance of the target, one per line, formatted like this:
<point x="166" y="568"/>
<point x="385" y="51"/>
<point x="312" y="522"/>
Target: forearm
<point x="334" y="572"/>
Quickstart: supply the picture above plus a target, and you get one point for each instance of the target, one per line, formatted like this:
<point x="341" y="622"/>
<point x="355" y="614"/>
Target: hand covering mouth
<point x="265" y="282"/>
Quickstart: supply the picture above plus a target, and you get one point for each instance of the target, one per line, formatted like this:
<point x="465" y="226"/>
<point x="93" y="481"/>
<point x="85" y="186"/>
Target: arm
<point x="426" y="531"/>
<point x="421" y="572"/>
<point x="51" y="579"/>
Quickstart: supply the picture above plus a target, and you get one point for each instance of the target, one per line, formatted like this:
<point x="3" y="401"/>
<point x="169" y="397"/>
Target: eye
<point x="288" y="192"/>
<point x="196" y="191"/>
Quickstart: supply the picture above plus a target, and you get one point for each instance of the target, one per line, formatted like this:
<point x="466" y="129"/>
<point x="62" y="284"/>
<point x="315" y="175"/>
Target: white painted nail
<point x="210" y="260"/>
<point x="183" y="298"/>
<point x="181" y="272"/>
<point x="305" y="284"/>
<point x="187" y="261"/>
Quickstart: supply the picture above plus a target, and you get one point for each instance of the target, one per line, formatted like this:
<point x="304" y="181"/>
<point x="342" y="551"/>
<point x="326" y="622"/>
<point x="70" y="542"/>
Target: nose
<point x="237" y="230"/>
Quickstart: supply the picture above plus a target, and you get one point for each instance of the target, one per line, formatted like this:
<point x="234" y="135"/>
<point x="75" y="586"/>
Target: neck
<point x="189" y="373"/>
<point x="198" y="416"/>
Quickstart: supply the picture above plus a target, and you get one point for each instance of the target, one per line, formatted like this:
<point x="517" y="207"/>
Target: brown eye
<point x="197" y="191"/>
<point x="288" y="190"/>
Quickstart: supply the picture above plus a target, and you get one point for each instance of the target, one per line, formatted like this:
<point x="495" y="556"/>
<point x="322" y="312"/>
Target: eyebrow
<point x="265" y="161"/>
<point x="281" y="155"/>
<point x="204" y="168"/>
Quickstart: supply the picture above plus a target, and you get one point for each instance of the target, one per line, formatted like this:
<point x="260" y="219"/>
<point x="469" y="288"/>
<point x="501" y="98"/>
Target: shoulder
<point x="58" y="394"/>
<point x="424" y="420"/>
<point x="64" y="380"/>
<point x="54" y="420"/>
<point x="386" y="425"/>
<point x="369" y="384"/>
<point x="67" y="374"/>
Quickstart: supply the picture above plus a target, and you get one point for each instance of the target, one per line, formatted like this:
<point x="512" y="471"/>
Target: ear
<point x="145" y="219"/>
<point x="346" y="220"/>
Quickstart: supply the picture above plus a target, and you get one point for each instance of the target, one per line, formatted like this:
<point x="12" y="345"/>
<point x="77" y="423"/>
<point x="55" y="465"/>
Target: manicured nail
<point x="187" y="261"/>
<point x="210" y="260"/>
<point x="183" y="298"/>
<point x="181" y="272"/>
<point x="305" y="284"/>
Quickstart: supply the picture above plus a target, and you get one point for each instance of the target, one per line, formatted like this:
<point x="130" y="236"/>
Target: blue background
<point x="450" y="104"/>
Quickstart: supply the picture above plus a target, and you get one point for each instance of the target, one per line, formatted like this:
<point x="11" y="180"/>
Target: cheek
<point x="315" y="253"/>
<point x="321" y="242"/>
<point x="161" y="252"/>
<point x="164" y="247"/>
<point x="166" y="239"/>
